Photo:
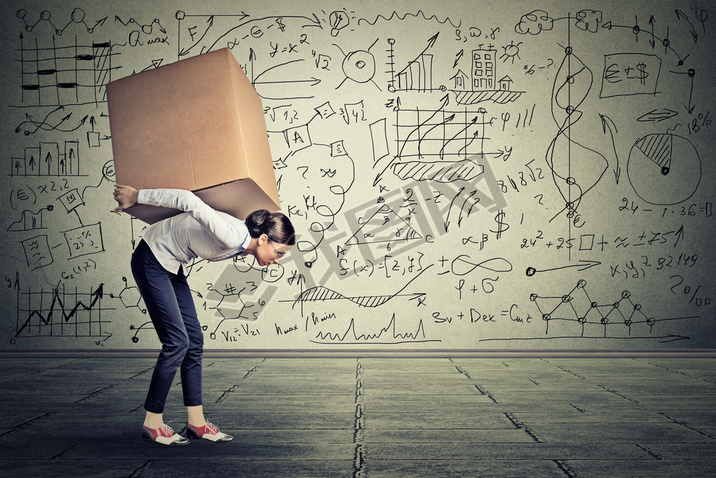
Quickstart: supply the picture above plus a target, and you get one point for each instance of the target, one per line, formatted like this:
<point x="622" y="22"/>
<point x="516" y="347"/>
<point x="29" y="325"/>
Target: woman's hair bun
<point x="274" y="224"/>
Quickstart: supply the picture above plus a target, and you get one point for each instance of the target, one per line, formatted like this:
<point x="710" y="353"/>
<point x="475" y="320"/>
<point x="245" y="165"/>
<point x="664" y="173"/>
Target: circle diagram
<point x="664" y="169"/>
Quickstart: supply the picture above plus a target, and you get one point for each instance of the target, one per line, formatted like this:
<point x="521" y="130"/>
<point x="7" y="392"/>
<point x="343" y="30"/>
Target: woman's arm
<point x="215" y="224"/>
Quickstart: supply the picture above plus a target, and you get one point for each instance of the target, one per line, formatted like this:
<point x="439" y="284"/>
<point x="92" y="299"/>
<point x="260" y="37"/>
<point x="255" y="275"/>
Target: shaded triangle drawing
<point x="656" y="147"/>
<point x="383" y="226"/>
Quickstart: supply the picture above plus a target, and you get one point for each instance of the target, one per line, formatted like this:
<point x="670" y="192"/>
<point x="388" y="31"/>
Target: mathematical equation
<point x="458" y="178"/>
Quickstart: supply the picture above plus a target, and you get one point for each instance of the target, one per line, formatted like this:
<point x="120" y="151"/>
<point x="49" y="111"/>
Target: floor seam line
<point x="359" y="458"/>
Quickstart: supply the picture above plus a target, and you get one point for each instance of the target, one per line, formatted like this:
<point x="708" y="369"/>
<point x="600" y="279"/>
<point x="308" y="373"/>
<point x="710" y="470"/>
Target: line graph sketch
<point x="441" y="133"/>
<point x="620" y="318"/>
<point x="61" y="313"/>
<point x="387" y="335"/>
<point x="30" y="221"/>
<point x="76" y="17"/>
<point x="440" y="144"/>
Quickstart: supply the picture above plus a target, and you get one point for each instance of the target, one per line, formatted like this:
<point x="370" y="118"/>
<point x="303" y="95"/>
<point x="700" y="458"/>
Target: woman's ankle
<point x="195" y="416"/>
<point x="153" y="420"/>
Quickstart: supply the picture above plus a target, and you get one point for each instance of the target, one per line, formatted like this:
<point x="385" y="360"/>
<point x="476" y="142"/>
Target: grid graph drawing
<point x="64" y="74"/>
<point x="438" y="135"/>
<point x="60" y="312"/>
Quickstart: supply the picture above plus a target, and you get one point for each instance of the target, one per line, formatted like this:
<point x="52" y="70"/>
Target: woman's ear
<point x="263" y="239"/>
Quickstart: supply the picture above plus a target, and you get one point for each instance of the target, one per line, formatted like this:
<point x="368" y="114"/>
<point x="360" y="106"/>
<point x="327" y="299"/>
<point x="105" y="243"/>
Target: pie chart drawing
<point x="664" y="169"/>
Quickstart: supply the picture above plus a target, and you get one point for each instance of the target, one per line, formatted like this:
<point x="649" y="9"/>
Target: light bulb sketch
<point x="338" y="21"/>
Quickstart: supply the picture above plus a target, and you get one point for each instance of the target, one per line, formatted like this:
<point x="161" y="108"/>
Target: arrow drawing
<point x="608" y="124"/>
<point x="582" y="266"/>
<point x="657" y="115"/>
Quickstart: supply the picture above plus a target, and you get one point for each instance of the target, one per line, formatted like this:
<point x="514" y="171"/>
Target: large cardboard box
<point x="196" y="124"/>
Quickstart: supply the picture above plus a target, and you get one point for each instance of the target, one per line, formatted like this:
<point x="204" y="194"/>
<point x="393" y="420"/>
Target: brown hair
<point x="275" y="225"/>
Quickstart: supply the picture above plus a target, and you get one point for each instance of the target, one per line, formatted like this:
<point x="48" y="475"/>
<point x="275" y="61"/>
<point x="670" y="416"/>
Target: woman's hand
<point x="126" y="196"/>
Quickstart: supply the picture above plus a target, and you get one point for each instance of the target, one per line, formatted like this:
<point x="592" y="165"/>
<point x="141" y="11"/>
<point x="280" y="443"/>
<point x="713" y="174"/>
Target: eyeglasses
<point x="279" y="255"/>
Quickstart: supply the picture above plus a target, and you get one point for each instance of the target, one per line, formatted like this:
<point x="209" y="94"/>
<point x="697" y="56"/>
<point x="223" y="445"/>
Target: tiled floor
<point x="369" y="417"/>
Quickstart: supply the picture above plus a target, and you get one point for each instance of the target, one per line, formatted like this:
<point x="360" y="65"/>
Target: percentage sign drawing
<point x="705" y="121"/>
<point x="701" y="121"/>
<point x="696" y="299"/>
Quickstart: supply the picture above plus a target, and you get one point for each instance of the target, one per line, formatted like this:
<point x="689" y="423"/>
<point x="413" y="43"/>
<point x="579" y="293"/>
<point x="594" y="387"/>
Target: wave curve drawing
<point x="322" y="294"/>
<point x="374" y="338"/>
<point x="419" y="13"/>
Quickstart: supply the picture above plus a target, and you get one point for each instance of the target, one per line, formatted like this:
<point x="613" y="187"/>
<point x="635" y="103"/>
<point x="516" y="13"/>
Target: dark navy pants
<point x="171" y="307"/>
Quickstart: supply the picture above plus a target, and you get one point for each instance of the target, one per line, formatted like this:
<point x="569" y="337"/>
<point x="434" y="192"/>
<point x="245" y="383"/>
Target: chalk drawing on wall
<point x="621" y="318"/>
<point x="452" y="174"/>
<point x="61" y="313"/>
<point x="664" y="169"/>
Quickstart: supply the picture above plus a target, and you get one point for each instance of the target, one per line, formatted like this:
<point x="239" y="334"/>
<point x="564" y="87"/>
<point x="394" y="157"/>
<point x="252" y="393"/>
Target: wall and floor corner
<point x="474" y="178"/>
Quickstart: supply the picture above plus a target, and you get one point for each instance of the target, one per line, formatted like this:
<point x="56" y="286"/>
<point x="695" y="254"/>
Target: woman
<point x="159" y="264"/>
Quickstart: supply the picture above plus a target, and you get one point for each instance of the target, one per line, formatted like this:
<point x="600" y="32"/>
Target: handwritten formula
<point x="467" y="176"/>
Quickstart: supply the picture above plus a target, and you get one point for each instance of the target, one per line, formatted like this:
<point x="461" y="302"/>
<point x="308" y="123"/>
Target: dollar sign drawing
<point x="641" y="68"/>
<point x="280" y="24"/>
<point x="501" y="225"/>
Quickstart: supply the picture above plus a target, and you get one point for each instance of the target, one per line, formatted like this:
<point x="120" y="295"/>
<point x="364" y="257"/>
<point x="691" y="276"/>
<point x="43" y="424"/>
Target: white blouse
<point x="199" y="231"/>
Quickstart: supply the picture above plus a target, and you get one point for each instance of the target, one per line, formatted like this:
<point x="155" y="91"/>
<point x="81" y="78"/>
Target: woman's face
<point x="269" y="252"/>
